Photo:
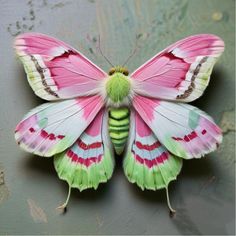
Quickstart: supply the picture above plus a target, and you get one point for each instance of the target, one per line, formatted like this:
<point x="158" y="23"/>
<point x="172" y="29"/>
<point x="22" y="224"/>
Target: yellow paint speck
<point x="217" y="16"/>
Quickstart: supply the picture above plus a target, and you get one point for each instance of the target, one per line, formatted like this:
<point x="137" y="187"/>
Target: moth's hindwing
<point x="184" y="130"/>
<point x="53" y="127"/>
<point x="89" y="161"/>
<point x="147" y="162"/>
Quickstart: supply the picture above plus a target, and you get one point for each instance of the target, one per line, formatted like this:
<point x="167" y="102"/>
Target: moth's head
<point x="118" y="69"/>
<point x="118" y="85"/>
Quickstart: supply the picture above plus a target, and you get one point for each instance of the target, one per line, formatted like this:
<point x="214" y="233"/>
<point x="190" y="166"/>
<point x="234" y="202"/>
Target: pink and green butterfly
<point x="93" y="115"/>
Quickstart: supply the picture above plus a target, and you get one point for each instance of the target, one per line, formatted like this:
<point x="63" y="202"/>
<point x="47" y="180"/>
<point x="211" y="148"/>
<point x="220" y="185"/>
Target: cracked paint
<point x="4" y="192"/>
<point x="36" y="212"/>
<point x="227" y="123"/>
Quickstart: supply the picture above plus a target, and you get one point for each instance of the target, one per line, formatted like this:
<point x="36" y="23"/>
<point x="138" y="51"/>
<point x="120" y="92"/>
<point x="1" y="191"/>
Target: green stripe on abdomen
<point x="119" y="127"/>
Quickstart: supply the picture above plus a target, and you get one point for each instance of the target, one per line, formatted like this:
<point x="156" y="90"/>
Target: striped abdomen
<point x="119" y="127"/>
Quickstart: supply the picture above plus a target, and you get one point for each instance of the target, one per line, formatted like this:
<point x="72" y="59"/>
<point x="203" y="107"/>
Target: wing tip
<point x="213" y="148"/>
<point x="218" y="41"/>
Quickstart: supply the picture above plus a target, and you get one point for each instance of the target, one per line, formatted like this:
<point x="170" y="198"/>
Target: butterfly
<point x="93" y="115"/>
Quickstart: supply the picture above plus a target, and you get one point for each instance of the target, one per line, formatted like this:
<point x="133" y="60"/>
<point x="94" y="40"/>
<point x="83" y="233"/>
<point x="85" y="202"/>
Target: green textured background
<point x="29" y="188"/>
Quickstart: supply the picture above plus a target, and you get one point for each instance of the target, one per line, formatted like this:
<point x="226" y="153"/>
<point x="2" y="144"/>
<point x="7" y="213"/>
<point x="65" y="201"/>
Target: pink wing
<point x="53" y="127"/>
<point x="180" y="72"/>
<point x="56" y="70"/>
<point x="183" y="129"/>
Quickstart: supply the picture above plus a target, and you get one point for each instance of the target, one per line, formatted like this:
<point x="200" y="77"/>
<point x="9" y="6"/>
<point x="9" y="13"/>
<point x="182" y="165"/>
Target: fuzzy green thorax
<point x="118" y="85"/>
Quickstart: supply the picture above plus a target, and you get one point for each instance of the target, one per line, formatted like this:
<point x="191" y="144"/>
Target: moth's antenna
<point x="99" y="47"/>
<point x="131" y="55"/>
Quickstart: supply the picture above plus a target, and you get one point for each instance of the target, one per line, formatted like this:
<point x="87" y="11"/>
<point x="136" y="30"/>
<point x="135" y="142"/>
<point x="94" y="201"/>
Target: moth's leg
<point x="64" y="205"/>
<point x="172" y="211"/>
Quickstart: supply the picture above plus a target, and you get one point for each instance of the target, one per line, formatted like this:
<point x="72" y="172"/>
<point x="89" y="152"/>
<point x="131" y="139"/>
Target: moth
<point x="93" y="115"/>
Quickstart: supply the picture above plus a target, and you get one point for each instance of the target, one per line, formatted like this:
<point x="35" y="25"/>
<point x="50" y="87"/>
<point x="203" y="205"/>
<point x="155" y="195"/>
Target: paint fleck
<point x="18" y="25"/>
<point x="142" y="36"/>
<point x="57" y="5"/>
<point x="139" y="35"/>
<point x="217" y="16"/>
<point x="227" y="147"/>
<point x="23" y="25"/>
<point x="36" y="212"/>
<point x="227" y="122"/>
<point x="1" y="177"/>
<point x="31" y="27"/>
<point x="91" y="50"/>
<point x="100" y="222"/>
<point x="60" y="5"/>
<point x="94" y="39"/>
<point x="32" y="15"/>
<point x="4" y="192"/>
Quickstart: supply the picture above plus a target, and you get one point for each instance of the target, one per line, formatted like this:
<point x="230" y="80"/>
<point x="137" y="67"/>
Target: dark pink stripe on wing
<point x="187" y="137"/>
<point x="84" y="161"/>
<point x="44" y="134"/>
<point x="148" y="147"/>
<point x="150" y="163"/>
<point x="85" y="146"/>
